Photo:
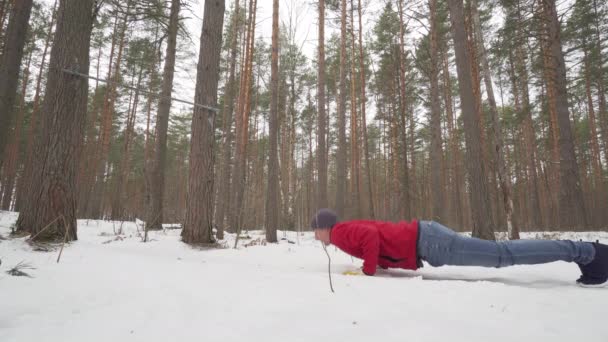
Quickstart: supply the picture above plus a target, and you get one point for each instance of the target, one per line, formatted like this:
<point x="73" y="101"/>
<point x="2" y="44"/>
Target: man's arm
<point x="370" y="244"/>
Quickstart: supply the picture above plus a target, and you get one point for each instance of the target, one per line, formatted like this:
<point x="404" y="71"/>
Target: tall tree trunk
<point x="406" y="201"/>
<point x="224" y="183"/>
<point x="597" y="191"/>
<point x="12" y="150"/>
<point x="321" y="118"/>
<point x="354" y="138"/>
<point x="154" y="213"/>
<point x="456" y="179"/>
<point x="601" y="93"/>
<point x="572" y="207"/>
<point x="534" y="212"/>
<point x="89" y="202"/>
<point x="199" y="213"/>
<point x="480" y="204"/>
<point x="497" y="139"/>
<point x="242" y="125"/>
<point x="16" y="34"/>
<point x="97" y="201"/>
<point x="33" y="124"/>
<point x="118" y="206"/>
<point x="284" y="203"/>
<point x="341" y="156"/>
<point x="272" y="198"/>
<point x="370" y="193"/>
<point x="51" y="203"/>
<point x="438" y="212"/>
<point x="553" y="126"/>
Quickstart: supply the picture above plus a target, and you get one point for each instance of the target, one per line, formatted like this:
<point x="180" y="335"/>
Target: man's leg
<point x="439" y="245"/>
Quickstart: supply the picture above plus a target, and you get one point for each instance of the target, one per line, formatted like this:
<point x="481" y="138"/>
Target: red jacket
<point x="385" y="244"/>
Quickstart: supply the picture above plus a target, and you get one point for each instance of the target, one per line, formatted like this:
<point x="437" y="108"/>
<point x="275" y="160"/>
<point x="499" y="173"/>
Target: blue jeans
<point x="439" y="245"/>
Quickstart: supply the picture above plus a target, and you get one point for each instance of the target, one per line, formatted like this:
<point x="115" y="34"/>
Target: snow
<point x="113" y="287"/>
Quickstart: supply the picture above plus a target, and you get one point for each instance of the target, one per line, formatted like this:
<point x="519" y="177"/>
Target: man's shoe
<point x="595" y="273"/>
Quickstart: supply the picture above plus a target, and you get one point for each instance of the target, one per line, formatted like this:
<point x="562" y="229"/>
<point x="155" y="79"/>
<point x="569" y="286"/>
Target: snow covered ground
<point x="113" y="287"/>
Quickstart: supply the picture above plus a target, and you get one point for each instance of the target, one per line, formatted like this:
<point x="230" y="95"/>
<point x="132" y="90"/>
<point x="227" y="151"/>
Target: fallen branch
<point x="43" y="229"/>
<point x="328" y="268"/>
<point x="65" y="237"/>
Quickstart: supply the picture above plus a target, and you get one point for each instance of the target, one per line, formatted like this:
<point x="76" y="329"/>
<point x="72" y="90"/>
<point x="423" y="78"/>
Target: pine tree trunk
<point x="284" y="153"/>
<point x="597" y="191"/>
<point x="456" y="179"/>
<point x="535" y="214"/>
<point x="16" y="35"/>
<point x="272" y="198"/>
<point x="482" y="224"/>
<point x="51" y="204"/>
<point x="341" y="171"/>
<point x="600" y="84"/>
<point x="572" y="207"/>
<point x="199" y="213"/>
<point x="321" y="115"/>
<point x="355" y="184"/>
<point x="154" y="213"/>
<point x="242" y="126"/>
<point x="497" y="139"/>
<point x="364" y="119"/>
<point x="554" y="128"/>
<point x="33" y="124"/>
<point x="437" y="192"/>
<point x="224" y="183"/>
<point x="119" y="211"/>
<point x="406" y="202"/>
<point x="12" y="153"/>
<point x="97" y="206"/>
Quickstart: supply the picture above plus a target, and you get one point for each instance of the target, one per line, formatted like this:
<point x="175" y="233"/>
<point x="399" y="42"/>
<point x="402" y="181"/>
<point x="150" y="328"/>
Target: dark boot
<point x="595" y="273"/>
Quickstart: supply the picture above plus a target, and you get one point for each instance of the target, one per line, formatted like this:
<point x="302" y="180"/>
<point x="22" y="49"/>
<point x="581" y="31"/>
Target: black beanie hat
<point x="324" y="218"/>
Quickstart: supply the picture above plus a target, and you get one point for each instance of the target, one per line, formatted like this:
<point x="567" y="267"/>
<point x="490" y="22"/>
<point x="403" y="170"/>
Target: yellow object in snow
<point x="353" y="272"/>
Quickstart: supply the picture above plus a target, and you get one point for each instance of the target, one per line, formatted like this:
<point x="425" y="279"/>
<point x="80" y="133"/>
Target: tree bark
<point x="553" y="126"/>
<point x="497" y="139"/>
<point x="154" y="213"/>
<point x="370" y="193"/>
<point x="597" y="191"/>
<point x="32" y="131"/>
<point x="480" y="204"/>
<point x="406" y="201"/>
<point x="454" y="156"/>
<point x="224" y="183"/>
<point x="199" y="213"/>
<point x="341" y="171"/>
<point x="16" y="35"/>
<point x="437" y="192"/>
<point x="97" y="201"/>
<point x="272" y="198"/>
<point x="12" y="150"/>
<point x="572" y="207"/>
<point x="242" y="125"/>
<point x="51" y="204"/>
<point x="354" y="130"/>
<point x="321" y="115"/>
<point x="119" y="212"/>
